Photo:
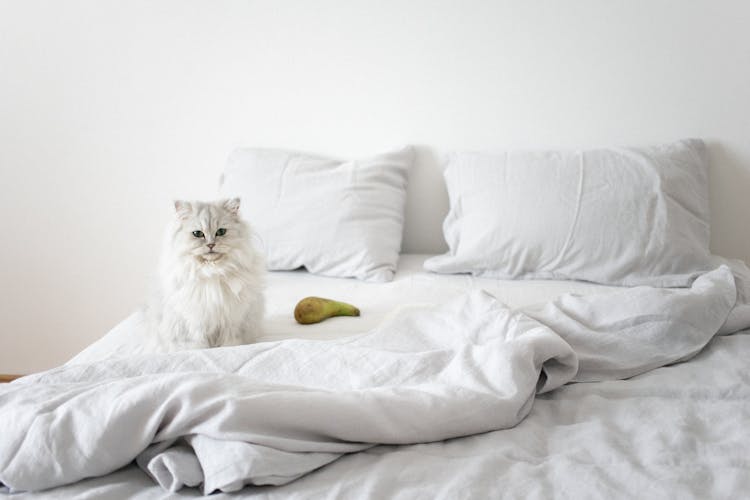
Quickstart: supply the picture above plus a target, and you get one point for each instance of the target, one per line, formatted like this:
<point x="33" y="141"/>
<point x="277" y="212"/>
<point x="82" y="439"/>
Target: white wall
<point x="109" y="109"/>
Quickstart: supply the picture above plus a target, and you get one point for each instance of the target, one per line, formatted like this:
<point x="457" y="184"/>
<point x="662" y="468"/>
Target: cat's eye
<point x="221" y="232"/>
<point x="198" y="234"/>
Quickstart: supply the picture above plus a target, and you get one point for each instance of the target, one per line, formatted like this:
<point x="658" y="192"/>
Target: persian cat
<point x="211" y="280"/>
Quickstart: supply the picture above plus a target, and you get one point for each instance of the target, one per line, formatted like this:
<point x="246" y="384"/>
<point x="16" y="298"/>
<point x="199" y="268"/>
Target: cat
<point x="211" y="280"/>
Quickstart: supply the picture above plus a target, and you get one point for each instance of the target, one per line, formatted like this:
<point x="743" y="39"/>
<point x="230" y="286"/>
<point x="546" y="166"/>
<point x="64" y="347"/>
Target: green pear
<point x="315" y="309"/>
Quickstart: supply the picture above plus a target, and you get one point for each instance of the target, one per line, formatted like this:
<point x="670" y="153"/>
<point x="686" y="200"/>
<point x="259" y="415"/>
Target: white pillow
<point x="336" y="218"/>
<point x="625" y="216"/>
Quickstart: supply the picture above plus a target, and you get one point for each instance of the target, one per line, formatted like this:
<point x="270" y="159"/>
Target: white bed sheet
<point x="412" y="285"/>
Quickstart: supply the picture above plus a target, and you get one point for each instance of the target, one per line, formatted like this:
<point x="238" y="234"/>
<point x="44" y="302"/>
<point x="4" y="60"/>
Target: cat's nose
<point x="211" y="246"/>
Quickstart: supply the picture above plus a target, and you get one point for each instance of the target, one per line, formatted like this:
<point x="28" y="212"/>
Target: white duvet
<point x="271" y="412"/>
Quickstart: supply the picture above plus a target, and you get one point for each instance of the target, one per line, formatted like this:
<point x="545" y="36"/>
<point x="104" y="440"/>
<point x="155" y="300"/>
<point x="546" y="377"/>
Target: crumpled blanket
<point x="269" y="413"/>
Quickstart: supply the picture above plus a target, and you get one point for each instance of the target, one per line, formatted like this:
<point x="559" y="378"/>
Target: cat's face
<point x="208" y="232"/>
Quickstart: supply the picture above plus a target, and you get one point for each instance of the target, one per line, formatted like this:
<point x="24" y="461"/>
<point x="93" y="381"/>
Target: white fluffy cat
<point x="211" y="280"/>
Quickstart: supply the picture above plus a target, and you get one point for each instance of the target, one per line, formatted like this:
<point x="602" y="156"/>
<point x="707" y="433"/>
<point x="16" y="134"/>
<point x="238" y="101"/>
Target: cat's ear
<point x="232" y="205"/>
<point x="182" y="208"/>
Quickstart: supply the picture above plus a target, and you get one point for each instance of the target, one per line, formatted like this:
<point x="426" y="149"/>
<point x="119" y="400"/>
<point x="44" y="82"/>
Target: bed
<point x="449" y="385"/>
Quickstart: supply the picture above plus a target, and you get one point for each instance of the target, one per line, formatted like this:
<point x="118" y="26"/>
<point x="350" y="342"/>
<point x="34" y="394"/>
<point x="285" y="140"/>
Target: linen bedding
<point x="466" y="396"/>
<point x="620" y="216"/>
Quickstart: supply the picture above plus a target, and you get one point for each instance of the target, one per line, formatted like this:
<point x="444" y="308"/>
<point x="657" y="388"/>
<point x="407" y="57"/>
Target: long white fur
<point x="207" y="299"/>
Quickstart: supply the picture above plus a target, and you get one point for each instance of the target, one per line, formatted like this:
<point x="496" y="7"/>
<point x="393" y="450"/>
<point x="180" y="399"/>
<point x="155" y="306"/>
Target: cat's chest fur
<point x="210" y="300"/>
<point x="213" y="310"/>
